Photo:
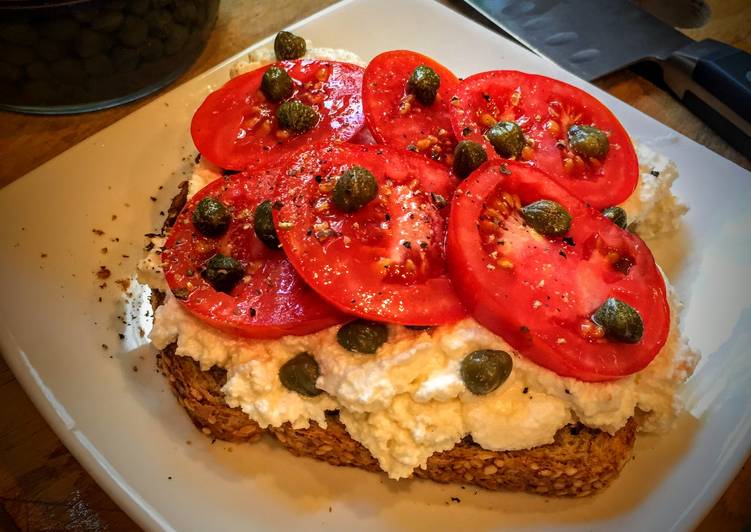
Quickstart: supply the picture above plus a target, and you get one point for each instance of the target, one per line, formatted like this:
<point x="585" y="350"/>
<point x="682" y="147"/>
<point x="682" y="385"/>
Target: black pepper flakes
<point x="181" y="293"/>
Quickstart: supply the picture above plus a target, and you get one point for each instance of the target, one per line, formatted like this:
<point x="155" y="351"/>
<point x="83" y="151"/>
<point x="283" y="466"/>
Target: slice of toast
<point x="580" y="462"/>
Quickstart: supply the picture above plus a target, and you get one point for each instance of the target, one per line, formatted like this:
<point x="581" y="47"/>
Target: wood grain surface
<point x="42" y="487"/>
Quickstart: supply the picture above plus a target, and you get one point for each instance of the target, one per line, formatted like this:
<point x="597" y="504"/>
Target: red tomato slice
<point x="271" y="300"/>
<point x="396" y="117"/>
<point x="539" y="292"/>
<point x="236" y="125"/>
<point x="545" y="108"/>
<point x="386" y="260"/>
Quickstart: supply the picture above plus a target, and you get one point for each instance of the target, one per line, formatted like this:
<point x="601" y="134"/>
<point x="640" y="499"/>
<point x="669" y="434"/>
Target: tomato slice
<point x="384" y="261"/>
<point x="271" y="300"/>
<point x="396" y="117"/>
<point x="539" y="292"/>
<point x="236" y="125"/>
<point x="545" y="108"/>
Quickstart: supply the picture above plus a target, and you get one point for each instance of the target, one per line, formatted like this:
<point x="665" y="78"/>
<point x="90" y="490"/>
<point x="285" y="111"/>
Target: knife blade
<point x="591" y="38"/>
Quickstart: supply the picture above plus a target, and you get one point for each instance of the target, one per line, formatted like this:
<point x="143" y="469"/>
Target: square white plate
<point x="128" y="431"/>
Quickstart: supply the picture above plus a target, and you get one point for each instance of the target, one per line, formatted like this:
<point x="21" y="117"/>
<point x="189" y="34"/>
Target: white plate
<point x="128" y="431"/>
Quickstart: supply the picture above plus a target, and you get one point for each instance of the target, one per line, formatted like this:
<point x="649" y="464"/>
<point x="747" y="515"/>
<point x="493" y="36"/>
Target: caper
<point x="296" y="116"/>
<point x="354" y="189"/>
<point x="223" y="272"/>
<point x="108" y="21"/>
<point x="98" y="66"/>
<point x="588" y="141"/>
<point x="263" y="224"/>
<point x="211" y="217"/>
<point x="507" y="138"/>
<point x="152" y="49"/>
<point x="424" y="83"/>
<point x="300" y="374"/>
<point x="547" y="217"/>
<point x="620" y="321"/>
<point x="133" y="31"/>
<point x="617" y="216"/>
<point x="288" y="46"/>
<point x="276" y="84"/>
<point x="22" y="34"/>
<point x="468" y="156"/>
<point x="10" y="72"/>
<point x="485" y="370"/>
<point x="362" y="336"/>
<point x="176" y="39"/>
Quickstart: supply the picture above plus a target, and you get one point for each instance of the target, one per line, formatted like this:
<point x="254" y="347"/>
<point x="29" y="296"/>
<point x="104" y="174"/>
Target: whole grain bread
<point x="579" y="462"/>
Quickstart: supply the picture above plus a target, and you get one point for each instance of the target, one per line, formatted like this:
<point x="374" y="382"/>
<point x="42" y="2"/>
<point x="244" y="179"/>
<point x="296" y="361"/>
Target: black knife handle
<point x="714" y="81"/>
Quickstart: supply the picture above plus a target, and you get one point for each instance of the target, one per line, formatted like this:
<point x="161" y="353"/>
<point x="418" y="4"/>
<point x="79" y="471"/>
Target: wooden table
<point x="41" y="485"/>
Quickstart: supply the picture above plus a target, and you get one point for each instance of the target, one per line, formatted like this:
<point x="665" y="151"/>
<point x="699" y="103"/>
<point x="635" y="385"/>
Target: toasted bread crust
<point x="579" y="462"/>
<point x="199" y="392"/>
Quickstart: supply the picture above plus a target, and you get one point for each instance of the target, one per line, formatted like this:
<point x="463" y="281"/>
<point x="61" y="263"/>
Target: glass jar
<point x="60" y="57"/>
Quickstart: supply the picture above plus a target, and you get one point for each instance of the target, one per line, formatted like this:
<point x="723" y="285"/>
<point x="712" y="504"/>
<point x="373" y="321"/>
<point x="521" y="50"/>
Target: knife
<point x="591" y="38"/>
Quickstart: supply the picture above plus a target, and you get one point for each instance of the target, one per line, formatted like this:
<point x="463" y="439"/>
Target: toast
<point x="580" y="462"/>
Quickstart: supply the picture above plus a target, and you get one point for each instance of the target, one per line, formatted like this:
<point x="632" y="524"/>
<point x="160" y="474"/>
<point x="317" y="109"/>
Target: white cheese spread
<point x="653" y="209"/>
<point x="408" y="400"/>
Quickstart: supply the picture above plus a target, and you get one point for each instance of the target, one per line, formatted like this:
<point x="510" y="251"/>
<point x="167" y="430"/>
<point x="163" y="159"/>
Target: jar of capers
<point x="70" y="56"/>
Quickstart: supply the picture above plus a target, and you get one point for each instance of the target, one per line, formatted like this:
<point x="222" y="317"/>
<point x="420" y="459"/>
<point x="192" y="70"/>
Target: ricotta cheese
<point x="653" y="209"/>
<point x="408" y="401"/>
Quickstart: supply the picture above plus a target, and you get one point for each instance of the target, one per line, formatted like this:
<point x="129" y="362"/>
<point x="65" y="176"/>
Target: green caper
<point x="211" y="217"/>
<point x="588" y="141"/>
<point x="485" y="370"/>
<point x="620" y="321"/>
<point x="296" y="116"/>
<point x="107" y="21"/>
<point x="288" y="46"/>
<point x="468" y="156"/>
<point x="362" y="336"/>
<point x="424" y="83"/>
<point x="276" y="84"/>
<point x="300" y="374"/>
<point x="617" y="216"/>
<point x="133" y="31"/>
<point x="223" y="272"/>
<point x="547" y="217"/>
<point x="354" y="189"/>
<point x="263" y="224"/>
<point x="507" y="138"/>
